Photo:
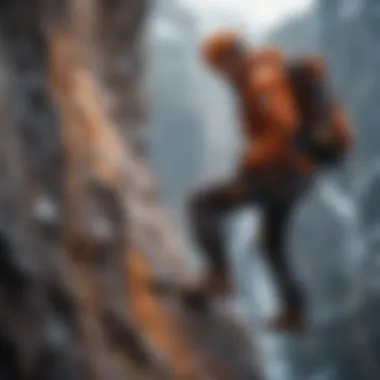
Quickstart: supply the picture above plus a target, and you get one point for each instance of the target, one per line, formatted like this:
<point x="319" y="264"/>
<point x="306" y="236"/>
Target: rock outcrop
<point x="82" y="230"/>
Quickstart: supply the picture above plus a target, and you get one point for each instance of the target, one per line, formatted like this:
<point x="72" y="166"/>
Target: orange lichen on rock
<point x="155" y="320"/>
<point x="94" y="149"/>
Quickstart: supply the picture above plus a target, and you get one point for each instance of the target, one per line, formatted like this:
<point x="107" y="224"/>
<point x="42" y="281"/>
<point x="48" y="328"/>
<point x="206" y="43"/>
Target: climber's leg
<point x="276" y="218"/>
<point x="207" y="209"/>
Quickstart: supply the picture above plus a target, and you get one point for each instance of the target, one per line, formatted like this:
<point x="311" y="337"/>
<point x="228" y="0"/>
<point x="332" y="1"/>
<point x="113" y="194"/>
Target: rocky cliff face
<point x="82" y="230"/>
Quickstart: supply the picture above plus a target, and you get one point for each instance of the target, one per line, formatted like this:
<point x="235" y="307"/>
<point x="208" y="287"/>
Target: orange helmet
<point x="218" y="45"/>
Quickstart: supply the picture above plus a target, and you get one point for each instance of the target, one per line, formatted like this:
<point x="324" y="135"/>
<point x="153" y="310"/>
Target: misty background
<point x="335" y="234"/>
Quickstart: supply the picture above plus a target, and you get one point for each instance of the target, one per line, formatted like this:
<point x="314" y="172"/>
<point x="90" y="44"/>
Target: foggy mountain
<point x="192" y="133"/>
<point x="175" y="133"/>
<point x="297" y="35"/>
<point x="350" y="35"/>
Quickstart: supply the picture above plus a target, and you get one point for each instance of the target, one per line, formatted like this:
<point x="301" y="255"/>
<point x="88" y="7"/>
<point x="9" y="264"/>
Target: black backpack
<point x="315" y="103"/>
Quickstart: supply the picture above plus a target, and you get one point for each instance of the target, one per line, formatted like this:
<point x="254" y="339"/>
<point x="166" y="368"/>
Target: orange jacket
<point x="269" y="111"/>
<point x="271" y="116"/>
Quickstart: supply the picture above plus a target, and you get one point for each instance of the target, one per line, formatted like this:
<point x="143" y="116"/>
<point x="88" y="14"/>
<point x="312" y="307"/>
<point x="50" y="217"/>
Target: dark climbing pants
<point x="275" y="191"/>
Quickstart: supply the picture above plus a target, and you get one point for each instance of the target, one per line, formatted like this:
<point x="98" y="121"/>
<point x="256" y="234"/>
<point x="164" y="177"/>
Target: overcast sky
<point x="262" y="14"/>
